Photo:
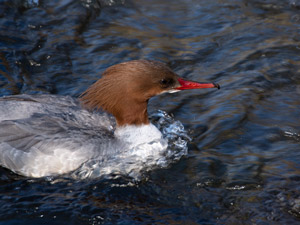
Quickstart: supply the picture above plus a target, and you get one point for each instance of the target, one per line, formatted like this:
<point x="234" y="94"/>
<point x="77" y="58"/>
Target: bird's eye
<point x="165" y="82"/>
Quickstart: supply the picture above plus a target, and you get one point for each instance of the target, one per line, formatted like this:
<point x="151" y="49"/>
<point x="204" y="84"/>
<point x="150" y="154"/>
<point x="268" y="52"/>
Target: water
<point x="243" y="161"/>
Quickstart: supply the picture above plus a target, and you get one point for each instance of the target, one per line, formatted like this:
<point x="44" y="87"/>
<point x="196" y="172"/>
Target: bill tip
<point x="217" y="85"/>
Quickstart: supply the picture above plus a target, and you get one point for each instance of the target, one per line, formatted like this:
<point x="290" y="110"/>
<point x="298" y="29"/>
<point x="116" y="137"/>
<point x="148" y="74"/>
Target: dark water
<point x="243" y="162"/>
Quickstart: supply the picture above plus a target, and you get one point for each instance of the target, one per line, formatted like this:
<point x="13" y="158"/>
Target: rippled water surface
<point x="243" y="161"/>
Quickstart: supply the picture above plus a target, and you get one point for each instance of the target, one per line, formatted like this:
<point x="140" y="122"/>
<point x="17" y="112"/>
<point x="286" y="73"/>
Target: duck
<point x="105" y="130"/>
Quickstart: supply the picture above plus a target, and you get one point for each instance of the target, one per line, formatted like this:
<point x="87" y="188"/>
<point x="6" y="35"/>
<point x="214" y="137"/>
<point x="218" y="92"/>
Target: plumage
<point x="45" y="135"/>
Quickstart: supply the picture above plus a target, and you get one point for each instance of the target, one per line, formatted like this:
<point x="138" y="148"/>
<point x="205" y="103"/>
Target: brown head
<point x="125" y="88"/>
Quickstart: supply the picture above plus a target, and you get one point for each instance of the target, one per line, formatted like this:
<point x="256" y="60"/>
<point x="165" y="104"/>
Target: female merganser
<point x="43" y="135"/>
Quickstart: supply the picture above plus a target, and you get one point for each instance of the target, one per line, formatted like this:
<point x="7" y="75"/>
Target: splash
<point x="136" y="160"/>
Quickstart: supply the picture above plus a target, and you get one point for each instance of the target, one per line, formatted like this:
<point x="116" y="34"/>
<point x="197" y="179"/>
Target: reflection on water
<point x="243" y="161"/>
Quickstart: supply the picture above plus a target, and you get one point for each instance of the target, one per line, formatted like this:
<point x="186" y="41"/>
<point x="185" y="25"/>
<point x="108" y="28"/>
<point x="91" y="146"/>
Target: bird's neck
<point x="131" y="113"/>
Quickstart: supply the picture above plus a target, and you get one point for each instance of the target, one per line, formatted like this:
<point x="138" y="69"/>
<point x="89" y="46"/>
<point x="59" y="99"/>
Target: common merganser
<point x="45" y="135"/>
